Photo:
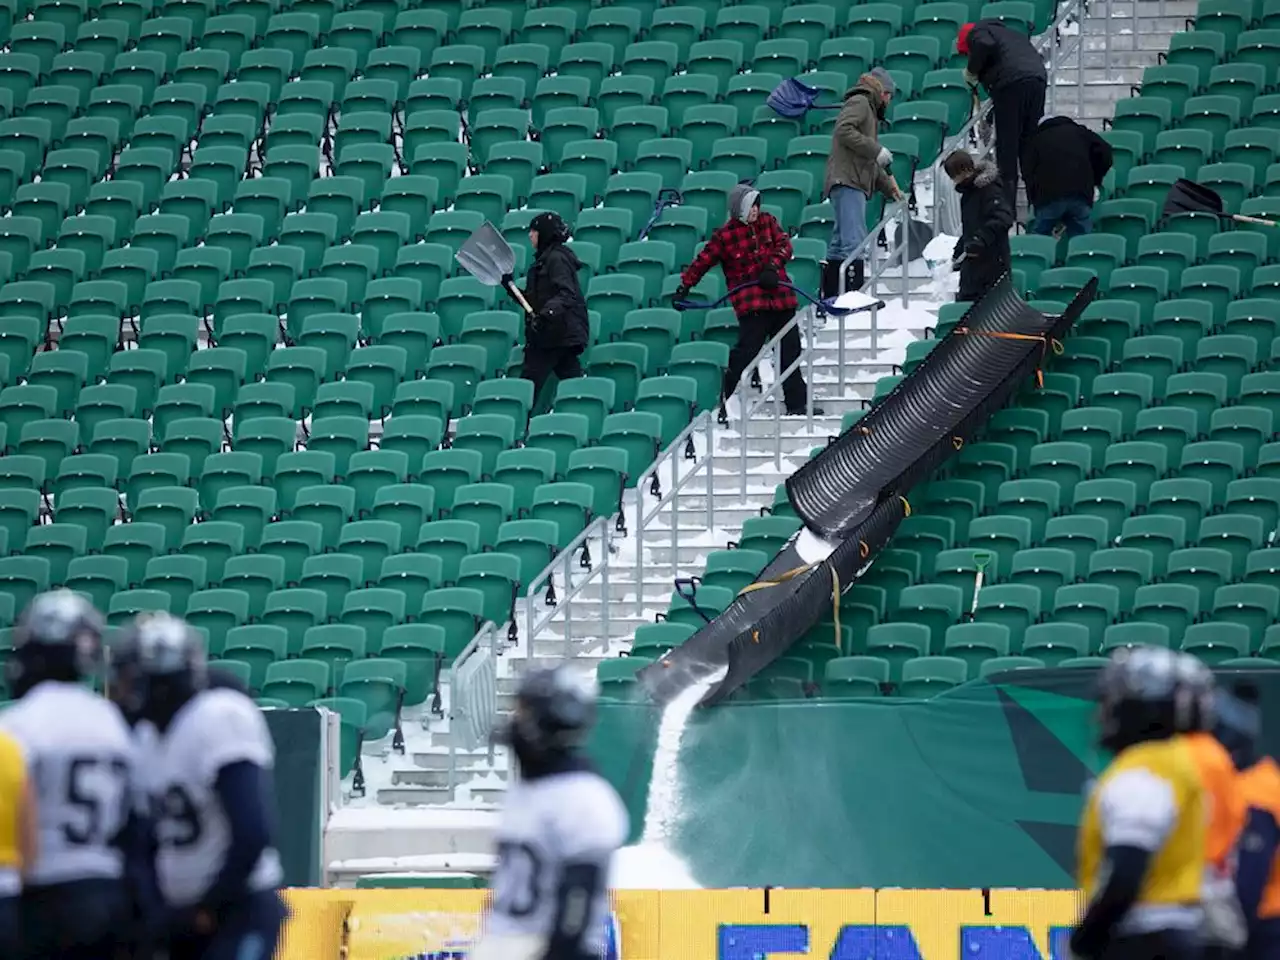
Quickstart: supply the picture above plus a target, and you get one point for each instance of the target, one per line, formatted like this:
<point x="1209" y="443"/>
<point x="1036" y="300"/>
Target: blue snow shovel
<point x="666" y="198"/>
<point x="794" y="98"/>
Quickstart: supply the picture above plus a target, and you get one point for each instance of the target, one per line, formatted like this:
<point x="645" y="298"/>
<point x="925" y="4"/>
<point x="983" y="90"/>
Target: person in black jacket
<point x="982" y="252"/>
<point x="1063" y="163"/>
<point x="556" y="334"/>
<point x="1005" y="62"/>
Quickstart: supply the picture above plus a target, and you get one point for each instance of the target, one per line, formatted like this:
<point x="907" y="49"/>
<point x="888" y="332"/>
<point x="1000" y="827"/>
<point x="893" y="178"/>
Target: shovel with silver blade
<point x="488" y="257"/>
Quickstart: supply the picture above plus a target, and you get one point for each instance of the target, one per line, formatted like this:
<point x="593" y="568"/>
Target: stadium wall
<point x="298" y="736"/>
<point x="744" y="924"/>
<point x="978" y="787"/>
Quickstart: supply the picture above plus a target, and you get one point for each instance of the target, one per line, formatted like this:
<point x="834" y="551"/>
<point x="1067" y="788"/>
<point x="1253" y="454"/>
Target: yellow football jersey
<point x="1151" y="797"/>
<point x="13" y="789"/>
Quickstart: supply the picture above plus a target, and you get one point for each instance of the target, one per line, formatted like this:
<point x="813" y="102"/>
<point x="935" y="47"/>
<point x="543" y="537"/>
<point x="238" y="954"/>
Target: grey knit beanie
<point x="886" y="81"/>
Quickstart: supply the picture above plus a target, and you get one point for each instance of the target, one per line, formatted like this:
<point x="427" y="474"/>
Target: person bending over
<point x="1063" y="163"/>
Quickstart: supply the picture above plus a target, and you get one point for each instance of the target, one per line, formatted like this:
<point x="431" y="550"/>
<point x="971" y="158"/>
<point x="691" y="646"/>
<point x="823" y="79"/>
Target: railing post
<point x="840" y="364"/>
<point x="904" y="240"/>
<point x="639" y="528"/>
<point x="604" y="593"/>
<point x="1053" y="72"/>
<point x="675" y="516"/>
<point x="810" y="386"/>
<point x="711" y="474"/>
<point x="1080" y="53"/>
<point x="567" y="603"/>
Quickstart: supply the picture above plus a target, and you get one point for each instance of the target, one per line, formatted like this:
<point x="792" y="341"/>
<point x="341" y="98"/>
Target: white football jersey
<point x="214" y="729"/>
<point x="82" y="759"/>
<point x="547" y="823"/>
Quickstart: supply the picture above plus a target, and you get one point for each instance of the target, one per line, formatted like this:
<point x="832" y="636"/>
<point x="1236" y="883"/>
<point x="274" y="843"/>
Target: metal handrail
<point x="675" y="454"/>
<point x="600" y="568"/>
<point x="901" y="214"/>
<point x="488" y="630"/>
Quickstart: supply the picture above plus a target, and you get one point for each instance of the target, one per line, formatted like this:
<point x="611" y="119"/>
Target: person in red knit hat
<point x="1005" y="62"/>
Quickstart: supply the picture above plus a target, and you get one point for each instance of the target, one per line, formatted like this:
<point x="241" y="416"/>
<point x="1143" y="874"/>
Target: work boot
<point x="855" y="276"/>
<point x="829" y="280"/>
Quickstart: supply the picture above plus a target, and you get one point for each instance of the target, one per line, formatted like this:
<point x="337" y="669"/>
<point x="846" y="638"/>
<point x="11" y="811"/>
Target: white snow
<point x="665" y="790"/>
<point x="650" y="866"/>
<point x="812" y="548"/>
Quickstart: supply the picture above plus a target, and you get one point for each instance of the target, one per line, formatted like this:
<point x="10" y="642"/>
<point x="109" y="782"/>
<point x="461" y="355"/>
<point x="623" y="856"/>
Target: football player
<point x="17" y="839"/>
<point x="1142" y="835"/>
<point x="209" y="777"/>
<point x="80" y="752"/>
<point x="560" y="826"/>
<point x="1225" y="929"/>
<point x="1258" y="870"/>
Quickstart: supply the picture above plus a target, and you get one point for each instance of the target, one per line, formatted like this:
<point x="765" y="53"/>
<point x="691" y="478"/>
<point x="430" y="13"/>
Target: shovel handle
<point x="519" y="298"/>
<point x="1241" y="218"/>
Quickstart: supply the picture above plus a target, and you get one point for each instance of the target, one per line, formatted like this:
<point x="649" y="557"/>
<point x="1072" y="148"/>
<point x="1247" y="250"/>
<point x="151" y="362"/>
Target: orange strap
<point x="1046" y="344"/>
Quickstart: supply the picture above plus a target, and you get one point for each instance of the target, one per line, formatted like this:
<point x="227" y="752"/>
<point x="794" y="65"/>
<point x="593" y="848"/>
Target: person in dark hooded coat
<point x="556" y="334"/>
<point x="982" y="252"/>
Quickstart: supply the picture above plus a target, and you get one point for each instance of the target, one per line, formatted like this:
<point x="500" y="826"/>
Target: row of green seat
<point x="620" y="375"/>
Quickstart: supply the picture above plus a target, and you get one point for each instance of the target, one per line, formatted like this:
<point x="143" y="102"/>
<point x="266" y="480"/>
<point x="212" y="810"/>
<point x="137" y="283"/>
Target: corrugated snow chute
<point x="835" y="492"/>
<point x="933" y="412"/>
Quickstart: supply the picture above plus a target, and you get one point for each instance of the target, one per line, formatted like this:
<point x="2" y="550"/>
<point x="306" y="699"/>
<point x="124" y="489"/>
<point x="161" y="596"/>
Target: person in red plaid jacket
<point x="753" y="250"/>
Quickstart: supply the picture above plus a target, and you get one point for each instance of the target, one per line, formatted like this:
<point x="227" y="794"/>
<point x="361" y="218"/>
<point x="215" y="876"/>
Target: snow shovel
<point x="794" y="98"/>
<point x="1187" y="196"/>
<point x="919" y="235"/>
<point x="667" y="197"/>
<point x="488" y="257"/>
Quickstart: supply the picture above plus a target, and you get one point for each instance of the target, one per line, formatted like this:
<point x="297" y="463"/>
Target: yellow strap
<point x="791" y="575"/>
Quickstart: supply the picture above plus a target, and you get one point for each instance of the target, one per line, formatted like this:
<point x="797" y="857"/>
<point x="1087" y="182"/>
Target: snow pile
<point x="649" y="866"/>
<point x="937" y="256"/>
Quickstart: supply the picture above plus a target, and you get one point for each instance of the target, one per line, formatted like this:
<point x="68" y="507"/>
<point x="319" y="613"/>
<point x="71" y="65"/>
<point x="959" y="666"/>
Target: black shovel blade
<point x="1187" y="196"/>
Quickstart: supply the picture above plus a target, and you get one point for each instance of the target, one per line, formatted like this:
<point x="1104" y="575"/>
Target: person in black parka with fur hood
<point x="982" y="252"/>
<point x="556" y="334"/>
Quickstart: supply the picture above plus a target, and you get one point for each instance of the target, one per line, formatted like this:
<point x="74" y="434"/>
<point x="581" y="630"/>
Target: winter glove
<point x="884" y="157"/>
<point x="536" y="323"/>
<point x="768" y="279"/>
<point x="682" y="292"/>
<point x="970" y="78"/>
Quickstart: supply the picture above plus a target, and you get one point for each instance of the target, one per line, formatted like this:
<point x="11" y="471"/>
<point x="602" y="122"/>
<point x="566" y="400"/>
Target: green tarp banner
<point x="299" y="769"/>
<point x="979" y="787"/>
